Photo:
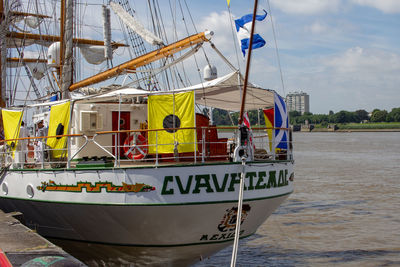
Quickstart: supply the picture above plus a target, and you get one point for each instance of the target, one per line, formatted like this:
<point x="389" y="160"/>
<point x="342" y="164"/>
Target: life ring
<point x="135" y="146"/>
<point x="9" y="160"/>
<point x="246" y="151"/>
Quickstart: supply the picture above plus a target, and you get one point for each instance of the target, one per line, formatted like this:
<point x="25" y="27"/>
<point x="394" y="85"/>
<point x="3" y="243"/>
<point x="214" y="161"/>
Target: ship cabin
<point x="133" y="127"/>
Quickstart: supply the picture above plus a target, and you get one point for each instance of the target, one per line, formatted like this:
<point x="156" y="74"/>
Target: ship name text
<point x="209" y="183"/>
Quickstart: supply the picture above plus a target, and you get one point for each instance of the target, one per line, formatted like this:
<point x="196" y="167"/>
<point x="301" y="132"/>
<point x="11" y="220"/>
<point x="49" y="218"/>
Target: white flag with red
<point x="246" y="122"/>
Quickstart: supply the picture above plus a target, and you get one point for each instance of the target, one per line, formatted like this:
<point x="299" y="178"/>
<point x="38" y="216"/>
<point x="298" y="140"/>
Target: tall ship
<point x="107" y="142"/>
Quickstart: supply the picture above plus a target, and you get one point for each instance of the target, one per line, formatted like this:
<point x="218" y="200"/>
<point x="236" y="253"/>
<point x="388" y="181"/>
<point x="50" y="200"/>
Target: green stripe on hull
<point x="149" y="167"/>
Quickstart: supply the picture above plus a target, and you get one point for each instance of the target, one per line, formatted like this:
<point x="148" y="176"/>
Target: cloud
<point x="307" y="7"/>
<point x="362" y="60"/>
<point x="219" y="23"/>
<point x="357" y="78"/>
<point x="386" y="6"/>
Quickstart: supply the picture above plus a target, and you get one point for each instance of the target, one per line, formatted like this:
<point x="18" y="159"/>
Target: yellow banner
<point x="269" y="123"/>
<point x="166" y="112"/>
<point x="58" y="125"/>
<point x="11" y="124"/>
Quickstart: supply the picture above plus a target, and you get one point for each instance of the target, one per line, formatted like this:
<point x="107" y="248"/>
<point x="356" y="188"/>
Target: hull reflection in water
<point x="94" y="254"/>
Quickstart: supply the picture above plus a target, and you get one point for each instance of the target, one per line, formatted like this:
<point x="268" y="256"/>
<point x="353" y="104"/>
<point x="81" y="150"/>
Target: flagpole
<point x="246" y="77"/>
<point x="241" y="185"/>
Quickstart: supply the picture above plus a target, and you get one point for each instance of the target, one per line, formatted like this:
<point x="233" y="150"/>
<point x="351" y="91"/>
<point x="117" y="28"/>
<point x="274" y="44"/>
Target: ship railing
<point x="213" y="144"/>
<point x="34" y="153"/>
<point x="219" y="148"/>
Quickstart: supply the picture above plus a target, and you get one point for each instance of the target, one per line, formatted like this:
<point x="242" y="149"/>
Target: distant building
<point x="298" y="101"/>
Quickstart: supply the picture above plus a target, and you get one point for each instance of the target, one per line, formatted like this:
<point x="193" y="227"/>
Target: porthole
<point x="4" y="187"/>
<point x="29" y="190"/>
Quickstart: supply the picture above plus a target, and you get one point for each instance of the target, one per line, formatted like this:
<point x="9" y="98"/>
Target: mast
<point x="242" y="176"/>
<point x="62" y="27"/>
<point x="2" y="56"/>
<point x="67" y="49"/>
<point x="246" y="77"/>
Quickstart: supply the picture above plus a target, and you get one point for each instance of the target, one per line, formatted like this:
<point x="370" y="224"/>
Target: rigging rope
<point x="276" y="47"/>
<point x="234" y="37"/>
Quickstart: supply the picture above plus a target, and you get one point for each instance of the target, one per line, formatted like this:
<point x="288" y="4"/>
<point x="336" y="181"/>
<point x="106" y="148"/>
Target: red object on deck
<point x="4" y="262"/>
<point x="215" y="148"/>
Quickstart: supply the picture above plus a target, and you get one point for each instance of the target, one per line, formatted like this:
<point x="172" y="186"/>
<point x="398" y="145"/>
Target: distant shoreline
<point x="351" y="130"/>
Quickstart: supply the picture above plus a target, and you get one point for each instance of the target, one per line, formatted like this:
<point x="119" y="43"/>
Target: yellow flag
<point x="12" y="124"/>
<point x="269" y="123"/>
<point x="228" y="1"/>
<point x="58" y="125"/>
<point x="166" y="112"/>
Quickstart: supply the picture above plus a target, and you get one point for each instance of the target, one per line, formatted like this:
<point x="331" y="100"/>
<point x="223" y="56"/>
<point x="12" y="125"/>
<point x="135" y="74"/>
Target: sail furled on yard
<point x="58" y="125"/>
<point x="135" y="25"/>
<point x="93" y="54"/>
<point x="169" y="114"/>
<point x="107" y="32"/>
<point x="12" y="124"/>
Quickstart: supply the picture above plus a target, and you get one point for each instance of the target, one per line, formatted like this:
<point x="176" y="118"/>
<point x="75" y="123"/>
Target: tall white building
<point x="298" y="101"/>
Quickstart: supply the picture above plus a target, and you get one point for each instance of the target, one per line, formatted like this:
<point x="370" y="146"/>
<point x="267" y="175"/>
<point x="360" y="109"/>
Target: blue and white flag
<point x="281" y="121"/>
<point x="243" y="29"/>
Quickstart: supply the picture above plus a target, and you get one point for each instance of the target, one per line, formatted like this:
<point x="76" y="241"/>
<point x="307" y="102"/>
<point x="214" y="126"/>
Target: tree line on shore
<point x="344" y="116"/>
<point x="222" y="117"/>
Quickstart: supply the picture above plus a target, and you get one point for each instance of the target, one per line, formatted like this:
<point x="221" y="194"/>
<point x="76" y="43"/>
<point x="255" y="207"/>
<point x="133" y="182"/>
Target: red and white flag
<point x="246" y="122"/>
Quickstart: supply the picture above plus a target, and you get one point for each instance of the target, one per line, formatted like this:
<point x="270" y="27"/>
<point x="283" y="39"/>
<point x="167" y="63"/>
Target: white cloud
<point x="386" y="6"/>
<point x="362" y="60"/>
<point x="318" y="28"/>
<point x="358" y="78"/>
<point x="307" y="7"/>
<point x="219" y="23"/>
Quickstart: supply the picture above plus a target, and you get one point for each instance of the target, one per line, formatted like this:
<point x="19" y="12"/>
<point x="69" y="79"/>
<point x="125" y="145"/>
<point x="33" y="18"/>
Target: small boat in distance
<point x="142" y="175"/>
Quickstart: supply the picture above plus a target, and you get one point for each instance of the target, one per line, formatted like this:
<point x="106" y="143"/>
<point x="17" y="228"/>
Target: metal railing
<point x="107" y="149"/>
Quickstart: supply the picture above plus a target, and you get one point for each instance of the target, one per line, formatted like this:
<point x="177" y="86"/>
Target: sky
<point x="344" y="53"/>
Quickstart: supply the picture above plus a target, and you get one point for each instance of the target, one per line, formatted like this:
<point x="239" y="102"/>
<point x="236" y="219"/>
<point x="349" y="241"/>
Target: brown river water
<point x="345" y="210"/>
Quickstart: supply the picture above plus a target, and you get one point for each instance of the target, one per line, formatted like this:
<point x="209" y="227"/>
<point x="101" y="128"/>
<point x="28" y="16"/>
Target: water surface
<point x="345" y="210"/>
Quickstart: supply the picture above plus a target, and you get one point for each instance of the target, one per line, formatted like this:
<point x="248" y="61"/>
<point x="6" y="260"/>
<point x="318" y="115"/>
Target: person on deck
<point x="22" y="146"/>
<point x="41" y="130"/>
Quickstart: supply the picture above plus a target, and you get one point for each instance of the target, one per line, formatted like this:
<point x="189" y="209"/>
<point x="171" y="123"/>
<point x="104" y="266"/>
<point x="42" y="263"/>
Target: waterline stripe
<point x="136" y="245"/>
<point x="144" y="204"/>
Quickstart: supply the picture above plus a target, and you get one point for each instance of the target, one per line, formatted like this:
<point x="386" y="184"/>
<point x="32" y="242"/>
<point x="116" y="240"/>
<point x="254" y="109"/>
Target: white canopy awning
<point x="223" y="93"/>
<point x="226" y="93"/>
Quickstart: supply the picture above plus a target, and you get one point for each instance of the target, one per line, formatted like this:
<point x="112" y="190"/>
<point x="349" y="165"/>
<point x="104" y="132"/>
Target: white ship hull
<point x="176" y="206"/>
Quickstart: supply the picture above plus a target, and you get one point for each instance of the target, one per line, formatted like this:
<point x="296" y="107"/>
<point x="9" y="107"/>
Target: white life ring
<point x="243" y="151"/>
<point x="135" y="146"/>
<point x="9" y="160"/>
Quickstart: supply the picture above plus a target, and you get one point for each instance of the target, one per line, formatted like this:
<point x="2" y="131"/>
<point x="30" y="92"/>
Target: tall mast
<point x="241" y="185"/>
<point x="246" y="77"/>
<point x="67" y="49"/>
<point x="62" y="27"/>
<point x="2" y="55"/>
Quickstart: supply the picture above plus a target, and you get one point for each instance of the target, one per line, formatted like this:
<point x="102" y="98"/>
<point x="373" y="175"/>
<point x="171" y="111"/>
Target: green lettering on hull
<point x="209" y="182"/>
